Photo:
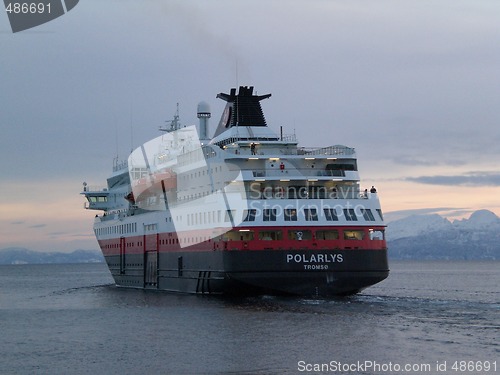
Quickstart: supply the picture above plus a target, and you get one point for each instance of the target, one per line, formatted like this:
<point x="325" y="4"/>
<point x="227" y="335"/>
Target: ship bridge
<point x="97" y="197"/>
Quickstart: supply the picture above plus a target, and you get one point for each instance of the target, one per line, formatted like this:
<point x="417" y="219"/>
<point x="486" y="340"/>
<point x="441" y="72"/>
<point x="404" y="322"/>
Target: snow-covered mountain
<point x="481" y="220"/>
<point x="435" y="237"/>
<point x="415" y="225"/>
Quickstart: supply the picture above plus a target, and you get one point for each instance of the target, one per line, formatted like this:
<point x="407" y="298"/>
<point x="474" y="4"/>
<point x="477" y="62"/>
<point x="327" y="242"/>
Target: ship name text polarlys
<point x="314" y="258"/>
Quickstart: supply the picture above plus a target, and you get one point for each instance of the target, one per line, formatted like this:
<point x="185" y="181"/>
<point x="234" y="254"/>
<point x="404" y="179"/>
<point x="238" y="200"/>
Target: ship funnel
<point x="204" y="114"/>
<point x="242" y="109"/>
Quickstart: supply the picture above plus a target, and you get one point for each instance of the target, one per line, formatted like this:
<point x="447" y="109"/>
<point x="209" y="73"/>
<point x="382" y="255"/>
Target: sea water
<point x="427" y="317"/>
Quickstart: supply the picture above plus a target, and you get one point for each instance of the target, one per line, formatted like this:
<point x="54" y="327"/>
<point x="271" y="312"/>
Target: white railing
<point x="330" y="150"/>
<point x="94" y="189"/>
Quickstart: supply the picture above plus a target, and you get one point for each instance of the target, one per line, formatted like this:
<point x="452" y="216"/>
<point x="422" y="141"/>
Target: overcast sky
<point x="413" y="85"/>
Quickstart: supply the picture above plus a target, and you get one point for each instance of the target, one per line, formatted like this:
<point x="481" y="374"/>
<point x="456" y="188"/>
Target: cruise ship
<point x="245" y="212"/>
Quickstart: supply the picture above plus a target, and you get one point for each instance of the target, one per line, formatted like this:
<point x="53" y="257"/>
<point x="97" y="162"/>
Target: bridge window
<point x="249" y="215"/>
<point x="100" y="199"/>
<point x="367" y="214"/>
<point x="331" y="214"/>
<point x="311" y="214"/>
<point x="269" y="214"/>
<point x="379" y="211"/>
<point x="350" y="215"/>
<point x="290" y="214"/>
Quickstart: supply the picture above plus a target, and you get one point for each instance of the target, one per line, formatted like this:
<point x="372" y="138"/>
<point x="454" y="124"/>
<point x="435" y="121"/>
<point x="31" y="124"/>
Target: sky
<point x="412" y="85"/>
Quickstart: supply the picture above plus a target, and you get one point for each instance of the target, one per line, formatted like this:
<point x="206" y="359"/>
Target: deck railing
<point x="95" y="189"/>
<point x="302" y="172"/>
<point x="330" y="150"/>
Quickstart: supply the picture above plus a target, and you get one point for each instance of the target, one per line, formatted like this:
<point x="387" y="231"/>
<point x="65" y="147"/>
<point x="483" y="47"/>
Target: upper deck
<point x="245" y="159"/>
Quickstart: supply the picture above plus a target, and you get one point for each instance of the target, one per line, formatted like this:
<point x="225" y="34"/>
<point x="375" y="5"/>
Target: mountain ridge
<point x="434" y="237"/>
<point x="21" y="255"/>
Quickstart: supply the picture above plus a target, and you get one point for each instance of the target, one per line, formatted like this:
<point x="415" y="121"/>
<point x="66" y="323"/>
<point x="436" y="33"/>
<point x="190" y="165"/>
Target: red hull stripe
<point x="252" y="239"/>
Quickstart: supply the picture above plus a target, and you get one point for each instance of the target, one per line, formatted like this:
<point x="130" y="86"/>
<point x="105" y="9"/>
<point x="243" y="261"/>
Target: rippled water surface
<point x="71" y="319"/>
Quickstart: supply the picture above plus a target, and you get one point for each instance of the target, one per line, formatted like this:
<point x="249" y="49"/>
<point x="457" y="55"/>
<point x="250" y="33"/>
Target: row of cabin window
<point x="201" y="173"/>
<point x="289" y="214"/>
<point x="124" y="229"/>
<point x="311" y="214"/>
<point x="296" y="235"/>
<point x="268" y="214"/>
<point x="273" y="235"/>
<point x="303" y="234"/>
<point x="126" y="244"/>
<point x="117" y="229"/>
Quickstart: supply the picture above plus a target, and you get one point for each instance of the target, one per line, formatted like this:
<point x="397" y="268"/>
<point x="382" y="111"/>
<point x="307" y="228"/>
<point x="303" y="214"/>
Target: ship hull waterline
<point x="264" y="272"/>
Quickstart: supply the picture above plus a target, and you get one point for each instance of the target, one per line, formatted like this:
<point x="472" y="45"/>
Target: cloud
<point x="38" y="226"/>
<point x="17" y="222"/>
<point x="467" y="179"/>
<point x="57" y="233"/>
<point x="415" y="161"/>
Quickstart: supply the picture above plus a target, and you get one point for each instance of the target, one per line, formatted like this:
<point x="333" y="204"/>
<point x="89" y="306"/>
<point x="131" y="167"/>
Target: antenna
<point x="236" y="72"/>
<point x="236" y="104"/>
<point x="131" y="127"/>
<point x="174" y="123"/>
<point x="116" y="137"/>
